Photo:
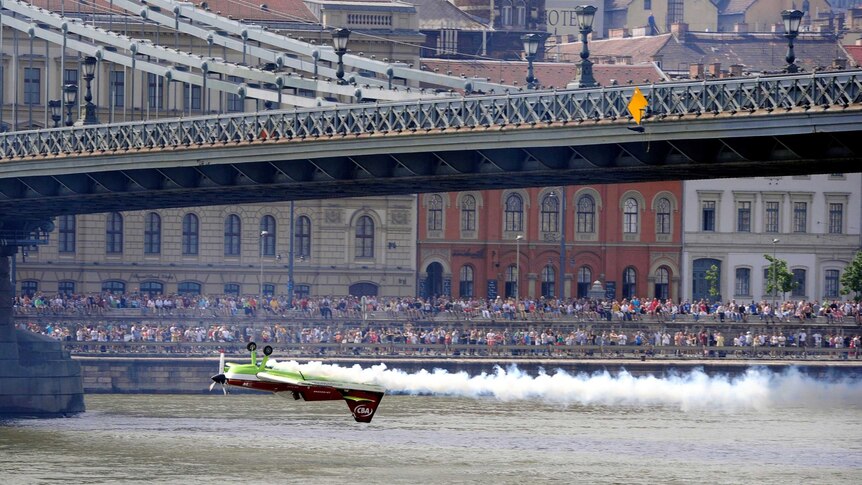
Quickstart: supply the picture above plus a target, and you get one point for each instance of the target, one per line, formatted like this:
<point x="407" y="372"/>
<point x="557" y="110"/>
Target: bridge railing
<point x="731" y="96"/>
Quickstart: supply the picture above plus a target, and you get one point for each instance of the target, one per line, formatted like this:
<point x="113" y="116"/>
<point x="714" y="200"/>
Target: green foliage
<point x="780" y="278"/>
<point x="711" y="277"/>
<point x="851" y="280"/>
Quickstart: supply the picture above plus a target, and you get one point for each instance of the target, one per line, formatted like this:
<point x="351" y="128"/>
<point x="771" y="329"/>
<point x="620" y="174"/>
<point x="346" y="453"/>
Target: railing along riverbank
<point x="389" y="351"/>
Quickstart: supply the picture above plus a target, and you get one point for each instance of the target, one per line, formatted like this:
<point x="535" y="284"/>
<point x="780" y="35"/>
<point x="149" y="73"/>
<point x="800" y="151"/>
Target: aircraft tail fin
<point x="363" y="404"/>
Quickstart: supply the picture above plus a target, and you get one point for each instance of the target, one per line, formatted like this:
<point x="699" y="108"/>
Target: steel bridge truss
<point x="820" y="91"/>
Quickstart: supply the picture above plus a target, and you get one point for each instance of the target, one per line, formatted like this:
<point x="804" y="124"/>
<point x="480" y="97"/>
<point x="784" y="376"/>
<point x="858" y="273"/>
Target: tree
<point x="780" y="279"/>
<point x="711" y="277"/>
<point x="851" y="280"/>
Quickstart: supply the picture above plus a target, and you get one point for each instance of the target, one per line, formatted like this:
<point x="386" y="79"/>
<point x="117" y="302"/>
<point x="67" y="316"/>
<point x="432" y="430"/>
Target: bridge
<point x="775" y="125"/>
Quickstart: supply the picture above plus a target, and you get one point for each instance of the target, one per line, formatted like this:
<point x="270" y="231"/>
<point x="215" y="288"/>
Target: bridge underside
<point x="280" y="170"/>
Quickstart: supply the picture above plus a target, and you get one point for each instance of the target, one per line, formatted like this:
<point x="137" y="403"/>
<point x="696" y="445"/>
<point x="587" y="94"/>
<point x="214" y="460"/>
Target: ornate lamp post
<point x="774" y="276"/>
<point x="517" y="266"/>
<point x="792" y="19"/>
<point x="531" y="46"/>
<point x="70" y="98"/>
<point x="561" y="291"/>
<point x="89" y="117"/>
<point x="56" y="108"/>
<point x="585" y="15"/>
<point x="339" y="42"/>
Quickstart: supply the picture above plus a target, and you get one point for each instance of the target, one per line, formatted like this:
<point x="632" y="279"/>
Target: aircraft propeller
<point x="220" y="377"/>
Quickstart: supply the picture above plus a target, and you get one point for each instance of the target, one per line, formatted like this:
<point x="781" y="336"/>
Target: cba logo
<point x="363" y="410"/>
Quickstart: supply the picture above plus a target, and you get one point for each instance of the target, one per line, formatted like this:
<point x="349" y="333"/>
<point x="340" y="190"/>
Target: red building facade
<point x="627" y="236"/>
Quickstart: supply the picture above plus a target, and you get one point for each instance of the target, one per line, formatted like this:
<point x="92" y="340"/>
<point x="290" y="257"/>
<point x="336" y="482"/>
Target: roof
<point x="735" y="7"/>
<point x="440" y="14"/>
<point x="275" y="11"/>
<point x="855" y="52"/>
<point x="550" y="74"/>
<point x="758" y="52"/>
<point x="617" y="4"/>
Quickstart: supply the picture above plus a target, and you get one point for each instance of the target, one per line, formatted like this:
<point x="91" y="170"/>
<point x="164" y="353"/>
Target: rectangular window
<point x="155" y="91"/>
<point x="800" y="216"/>
<point x="832" y="281"/>
<point x="743" y="217"/>
<point x="32" y="82"/>
<point x="191" y="97"/>
<point x="708" y="215"/>
<point x="836" y="218"/>
<point x="118" y="88"/>
<point x="70" y="76"/>
<point x="647" y="4"/>
<point x="743" y="282"/>
<point x="234" y="102"/>
<point x="771" y="223"/>
<point x="66" y="239"/>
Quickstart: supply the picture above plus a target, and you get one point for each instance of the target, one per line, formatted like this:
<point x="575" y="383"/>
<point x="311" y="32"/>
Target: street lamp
<point x="561" y="291"/>
<point x="531" y="46"/>
<point x="774" y="275"/>
<point x="585" y="15"/>
<point x="56" y="108"/>
<point x="339" y="42"/>
<point x="792" y="19"/>
<point x="517" y="266"/>
<point x="263" y="235"/>
<point x="89" y="117"/>
<point x="70" y="98"/>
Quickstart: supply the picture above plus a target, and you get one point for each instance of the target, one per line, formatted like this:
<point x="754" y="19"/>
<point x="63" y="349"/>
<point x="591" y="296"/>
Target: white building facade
<point x="811" y="221"/>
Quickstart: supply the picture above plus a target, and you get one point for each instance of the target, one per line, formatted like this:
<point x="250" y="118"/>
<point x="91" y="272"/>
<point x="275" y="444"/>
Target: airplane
<point x="362" y="399"/>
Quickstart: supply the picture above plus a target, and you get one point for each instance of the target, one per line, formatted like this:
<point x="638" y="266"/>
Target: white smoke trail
<point x="755" y="389"/>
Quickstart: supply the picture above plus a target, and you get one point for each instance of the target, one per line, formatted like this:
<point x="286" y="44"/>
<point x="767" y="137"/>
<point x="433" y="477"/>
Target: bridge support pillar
<point x="37" y="378"/>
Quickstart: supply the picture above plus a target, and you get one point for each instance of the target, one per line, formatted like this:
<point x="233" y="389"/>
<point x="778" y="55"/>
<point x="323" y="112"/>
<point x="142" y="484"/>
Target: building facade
<point x="812" y="222"/>
<point x="491" y="243"/>
<point x="358" y="246"/>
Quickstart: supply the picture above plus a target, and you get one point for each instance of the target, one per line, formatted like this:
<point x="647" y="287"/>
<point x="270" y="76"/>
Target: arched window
<point x="268" y="289"/>
<point x="585" y="277"/>
<point x="742" y="287"/>
<point x="302" y="240"/>
<point x="66" y="242"/>
<point x="520" y="14"/>
<point x="514" y="213"/>
<point x="152" y="234"/>
<point x="191" y="232"/>
<point x="189" y="288"/>
<point x="66" y="287"/>
<point x="302" y="291"/>
<point x="363" y="289"/>
<point x="629" y="282"/>
<point x="630" y="216"/>
<point x="364" y="237"/>
<point x="468" y="213"/>
<point x="267" y="224"/>
<point x="466" y="287"/>
<point x="232" y="235"/>
<point x="549" y="277"/>
<point x="152" y="288"/>
<point x="586" y="214"/>
<point x="798" y="283"/>
<point x="231" y="289"/>
<point x="114" y="233"/>
<point x="435" y="212"/>
<point x="114" y="286"/>
<point x="662" y="283"/>
<point x="550" y="217"/>
<point x="511" y="281"/>
<point x="662" y="216"/>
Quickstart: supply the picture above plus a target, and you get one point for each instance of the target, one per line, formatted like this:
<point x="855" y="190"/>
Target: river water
<point x="789" y="429"/>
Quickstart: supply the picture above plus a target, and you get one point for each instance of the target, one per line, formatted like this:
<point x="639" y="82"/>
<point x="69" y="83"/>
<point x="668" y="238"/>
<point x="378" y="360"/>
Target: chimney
<point x="714" y="69"/>
<point x="740" y="28"/>
<point x="618" y="33"/>
<point x="639" y="31"/>
<point x="679" y="30"/>
<point x="858" y="41"/>
<point x="736" y="70"/>
<point x="839" y="63"/>
<point x="695" y="71"/>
